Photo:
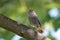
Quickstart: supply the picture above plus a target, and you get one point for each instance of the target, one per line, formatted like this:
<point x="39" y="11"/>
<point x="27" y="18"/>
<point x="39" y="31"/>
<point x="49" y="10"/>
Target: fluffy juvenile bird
<point x="34" y="21"/>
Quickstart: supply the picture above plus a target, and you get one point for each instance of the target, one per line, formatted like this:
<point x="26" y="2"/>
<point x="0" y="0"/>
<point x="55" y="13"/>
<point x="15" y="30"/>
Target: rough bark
<point x="20" y="29"/>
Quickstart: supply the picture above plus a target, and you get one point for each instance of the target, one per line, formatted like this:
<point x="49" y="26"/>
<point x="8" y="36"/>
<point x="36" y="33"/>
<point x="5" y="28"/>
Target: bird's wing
<point x="34" y="20"/>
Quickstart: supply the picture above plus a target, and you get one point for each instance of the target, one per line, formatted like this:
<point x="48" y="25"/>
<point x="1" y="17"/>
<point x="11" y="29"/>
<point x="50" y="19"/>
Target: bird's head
<point x="31" y="13"/>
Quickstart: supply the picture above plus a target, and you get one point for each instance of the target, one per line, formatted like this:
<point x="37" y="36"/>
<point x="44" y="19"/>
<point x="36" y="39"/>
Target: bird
<point x="34" y="21"/>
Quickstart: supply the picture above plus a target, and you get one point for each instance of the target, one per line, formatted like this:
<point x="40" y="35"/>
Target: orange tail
<point x="40" y="29"/>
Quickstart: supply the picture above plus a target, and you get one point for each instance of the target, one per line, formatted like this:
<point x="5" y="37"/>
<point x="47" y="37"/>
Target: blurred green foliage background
<point x="18" y="11"/>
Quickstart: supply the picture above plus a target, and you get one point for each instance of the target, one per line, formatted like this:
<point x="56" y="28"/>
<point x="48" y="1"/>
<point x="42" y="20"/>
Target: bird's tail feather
<point x="40" y="29"/>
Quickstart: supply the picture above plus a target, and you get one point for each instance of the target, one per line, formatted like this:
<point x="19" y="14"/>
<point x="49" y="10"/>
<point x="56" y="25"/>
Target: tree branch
<point x="20" y="29"/>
